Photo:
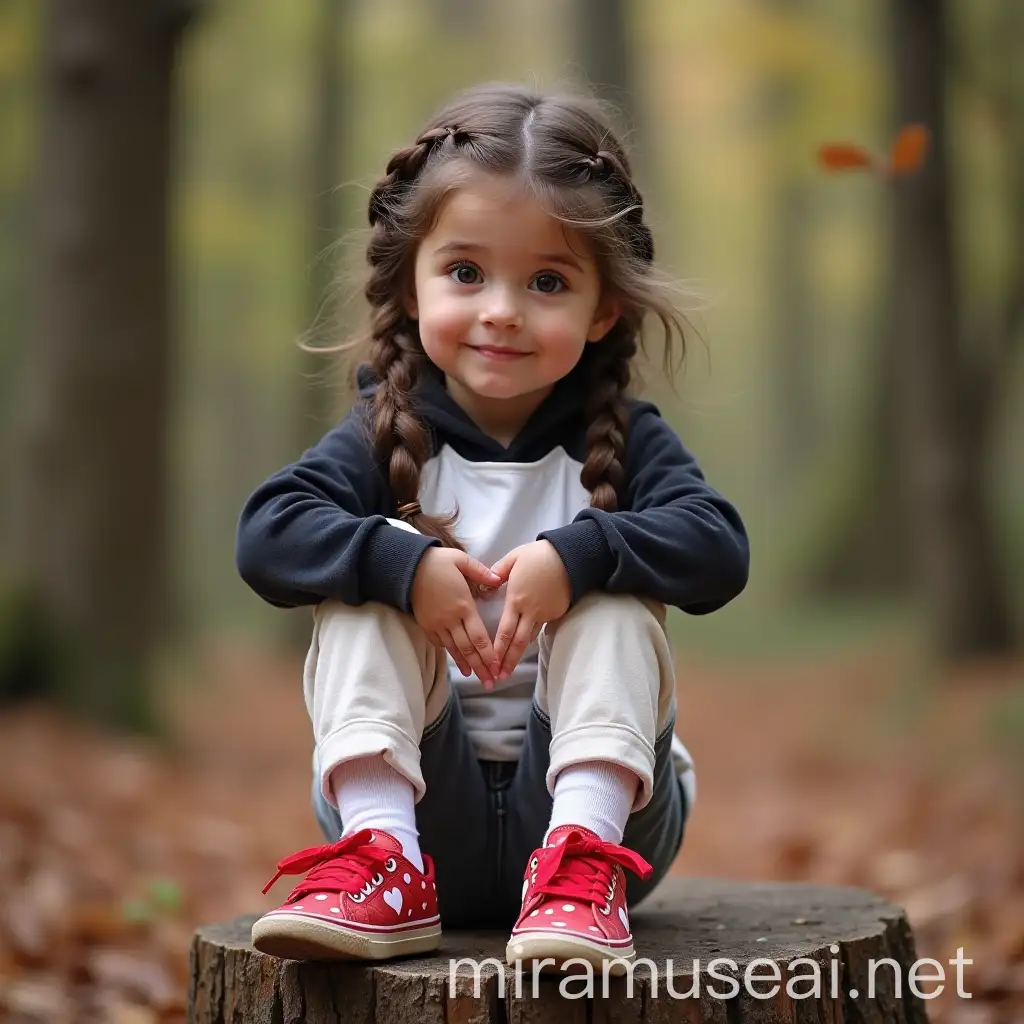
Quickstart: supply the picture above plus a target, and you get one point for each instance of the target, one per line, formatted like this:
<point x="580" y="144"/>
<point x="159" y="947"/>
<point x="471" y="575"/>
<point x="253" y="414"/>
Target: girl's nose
<point x="500" y="310"/>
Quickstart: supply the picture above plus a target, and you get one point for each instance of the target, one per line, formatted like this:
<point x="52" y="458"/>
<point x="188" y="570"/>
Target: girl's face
<point x="506" y="300"/>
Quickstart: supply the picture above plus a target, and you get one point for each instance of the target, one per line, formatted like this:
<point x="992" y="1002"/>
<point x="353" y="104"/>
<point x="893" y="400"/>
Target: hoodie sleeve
<point x="677" y="540"/>
<point x="315" y="530"/>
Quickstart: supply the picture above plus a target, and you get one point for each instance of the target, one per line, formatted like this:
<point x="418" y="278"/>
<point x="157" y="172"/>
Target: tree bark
<point x="464" y="16"/>
<point x="606" y="52"/>
<point x="944" y="434"/>
<point x="317" y="400"/>
<point x="793" y="351"/>
<point x="866" y="548"/>
<point x="89" y="518"/>
<point x="689" y="921"/>
<point x="794" y="358"/>
<point x="867" y="551"/>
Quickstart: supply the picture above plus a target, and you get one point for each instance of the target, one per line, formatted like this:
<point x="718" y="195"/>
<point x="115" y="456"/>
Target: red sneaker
<point x="362" y="900"/>
<point x="574" y="901"/>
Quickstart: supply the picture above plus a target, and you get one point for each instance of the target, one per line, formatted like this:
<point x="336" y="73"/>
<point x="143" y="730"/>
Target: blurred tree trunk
<point x="606" y="52"/>
<point x="458" y="15"/>
<point x="865" y="550"/>
<point x="946" y="409"/>
<point x="604" y="45"/>
<point x="318" y="398"/>
<point x="330" y="88"/>
<point x="793" y="347"/>
<point x="91" y="493"/>
<point x="868" y="550"/>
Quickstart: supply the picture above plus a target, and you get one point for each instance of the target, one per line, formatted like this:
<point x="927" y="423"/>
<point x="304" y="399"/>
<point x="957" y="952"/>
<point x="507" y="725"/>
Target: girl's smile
<point x="497" y="352"/>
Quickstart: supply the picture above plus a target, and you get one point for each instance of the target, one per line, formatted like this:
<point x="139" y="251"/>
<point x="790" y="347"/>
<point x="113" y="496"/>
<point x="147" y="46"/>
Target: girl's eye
<point x="465" y="273"/>
<point x="548" y="283"/>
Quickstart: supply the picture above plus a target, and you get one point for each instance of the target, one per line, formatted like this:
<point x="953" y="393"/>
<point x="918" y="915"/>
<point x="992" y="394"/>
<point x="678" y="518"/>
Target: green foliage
<point x="162" y="898"/>
<point x="166" y="895"/>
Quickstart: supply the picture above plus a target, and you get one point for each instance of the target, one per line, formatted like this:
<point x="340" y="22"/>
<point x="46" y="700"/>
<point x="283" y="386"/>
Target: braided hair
<point x="610" y="371"/>
<point x="563" y="149"/>
<point x="396" y="357"/>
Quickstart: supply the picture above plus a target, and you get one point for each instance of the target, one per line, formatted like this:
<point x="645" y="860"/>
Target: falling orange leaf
<point x="909" y="149"/>
<point x="906" y="154"/>
<point x="841" y="156"/>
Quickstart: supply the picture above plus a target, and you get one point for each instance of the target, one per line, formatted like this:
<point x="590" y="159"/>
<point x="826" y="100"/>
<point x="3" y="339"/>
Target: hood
<point x="566" y="401"/>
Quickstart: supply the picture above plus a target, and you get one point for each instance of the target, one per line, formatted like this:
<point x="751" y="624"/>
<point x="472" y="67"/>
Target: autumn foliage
<point x="906" y="154"/>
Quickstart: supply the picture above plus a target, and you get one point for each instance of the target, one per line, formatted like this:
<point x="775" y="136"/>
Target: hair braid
<point x="400" y="437"/>
<point x="603" y="472"/>
<point x="607" y="166"/>
<point x="404" y="167"/>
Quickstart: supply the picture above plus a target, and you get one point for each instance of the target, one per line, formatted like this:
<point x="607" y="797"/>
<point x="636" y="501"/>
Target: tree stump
<point x="695" y="940"/>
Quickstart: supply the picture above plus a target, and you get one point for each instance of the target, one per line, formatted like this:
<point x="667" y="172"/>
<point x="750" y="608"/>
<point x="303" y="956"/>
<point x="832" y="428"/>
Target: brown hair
<point x="564" y="151"/>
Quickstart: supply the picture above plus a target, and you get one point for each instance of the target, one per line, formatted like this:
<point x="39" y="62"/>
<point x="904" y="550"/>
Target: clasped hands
<point x="443" y="588"/>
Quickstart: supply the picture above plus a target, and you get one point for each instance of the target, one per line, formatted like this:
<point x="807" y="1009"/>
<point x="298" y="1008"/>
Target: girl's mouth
<point x="494" y="352"/>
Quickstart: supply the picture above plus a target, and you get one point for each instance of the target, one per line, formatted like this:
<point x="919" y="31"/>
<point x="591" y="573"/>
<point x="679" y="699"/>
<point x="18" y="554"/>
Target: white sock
<point x="371" y="794"/>
<point x="595" y="794"/>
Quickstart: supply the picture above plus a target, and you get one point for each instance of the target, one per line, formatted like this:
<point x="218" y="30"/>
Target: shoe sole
<point x="562" y="948"/>
<point x="292" y="937"/>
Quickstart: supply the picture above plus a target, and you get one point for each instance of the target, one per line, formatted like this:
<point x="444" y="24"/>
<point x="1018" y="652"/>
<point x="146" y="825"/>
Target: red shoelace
<point x="348" y="865"/>
<point x="581" y="867"/>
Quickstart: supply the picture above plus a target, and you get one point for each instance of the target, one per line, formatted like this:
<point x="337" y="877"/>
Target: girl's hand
<point x="538" y="591"/>
<point x="443" y="605"/>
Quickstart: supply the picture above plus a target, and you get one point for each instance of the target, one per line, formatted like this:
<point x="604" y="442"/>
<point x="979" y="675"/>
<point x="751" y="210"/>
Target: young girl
<point x="489" y="540"/>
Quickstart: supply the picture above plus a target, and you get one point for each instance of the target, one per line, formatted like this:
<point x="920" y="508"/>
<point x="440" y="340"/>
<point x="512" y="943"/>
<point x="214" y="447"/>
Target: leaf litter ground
<point x="837" y="771"/>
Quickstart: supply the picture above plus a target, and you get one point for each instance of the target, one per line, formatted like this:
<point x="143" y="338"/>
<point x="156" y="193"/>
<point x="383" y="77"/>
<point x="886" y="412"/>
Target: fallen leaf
<point x="129" y="1013"/>
<point x="909" y="149"/>
<point x="140" y="977"/>
<point x="39" y="999"/>
<point x="841" y="156"/>
<point x="23" y="925"/>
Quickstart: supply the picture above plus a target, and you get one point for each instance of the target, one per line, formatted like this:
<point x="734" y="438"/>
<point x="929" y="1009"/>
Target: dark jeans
<point x="481" y="820"/>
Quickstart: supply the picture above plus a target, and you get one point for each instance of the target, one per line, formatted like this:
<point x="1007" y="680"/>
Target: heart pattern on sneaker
<point x="393" y="898"/>
<point x="573" y="884"/>
<point x="356" y="886"/>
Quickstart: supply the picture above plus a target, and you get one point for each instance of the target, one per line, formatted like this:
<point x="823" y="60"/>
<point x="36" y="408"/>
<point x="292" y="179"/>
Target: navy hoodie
<point x="325" y="527"/>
